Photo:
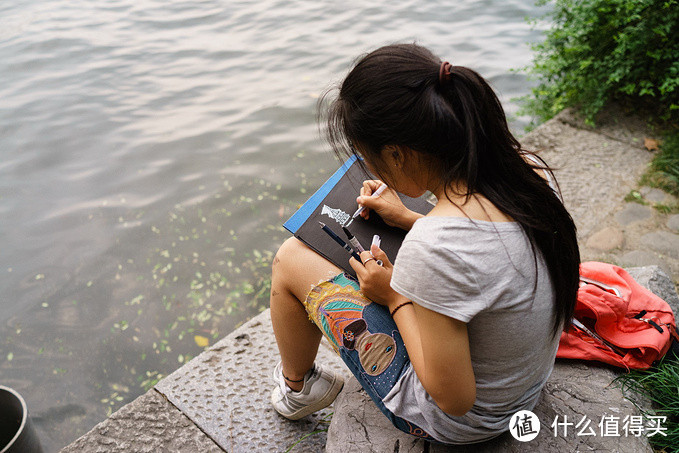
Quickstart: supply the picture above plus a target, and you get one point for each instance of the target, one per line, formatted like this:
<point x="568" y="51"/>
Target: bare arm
<point x="438" y="346"/>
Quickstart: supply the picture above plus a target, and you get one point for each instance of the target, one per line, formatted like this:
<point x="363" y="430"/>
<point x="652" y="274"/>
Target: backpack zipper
<point x="597" y="337"/>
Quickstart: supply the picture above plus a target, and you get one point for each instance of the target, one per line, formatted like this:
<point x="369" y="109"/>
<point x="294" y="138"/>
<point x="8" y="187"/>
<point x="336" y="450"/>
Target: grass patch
<point x="635" y="197"/>
<point x="661" y="386"/>
<point x="324" y="424"/>
<point x="663" y="171"/>
<point x="664" y="209"/>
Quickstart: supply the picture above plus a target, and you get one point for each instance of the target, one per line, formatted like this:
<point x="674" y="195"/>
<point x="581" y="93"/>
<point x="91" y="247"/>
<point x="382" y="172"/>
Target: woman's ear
<point x="395" y="155"/>
<point x="398" y="158"/>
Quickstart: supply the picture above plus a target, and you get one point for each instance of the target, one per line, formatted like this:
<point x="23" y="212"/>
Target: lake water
<point x="150" y="151"/>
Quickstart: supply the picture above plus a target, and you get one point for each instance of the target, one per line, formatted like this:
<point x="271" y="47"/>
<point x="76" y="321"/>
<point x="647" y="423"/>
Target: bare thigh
<point x="297" y="269"/>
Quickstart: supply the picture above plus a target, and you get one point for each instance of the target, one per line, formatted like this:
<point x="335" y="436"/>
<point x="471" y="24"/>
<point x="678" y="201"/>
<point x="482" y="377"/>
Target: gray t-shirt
<point x="481" y="273"/>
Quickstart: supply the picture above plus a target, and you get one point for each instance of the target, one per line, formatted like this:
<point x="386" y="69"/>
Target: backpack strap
<point x="549" y="176"/>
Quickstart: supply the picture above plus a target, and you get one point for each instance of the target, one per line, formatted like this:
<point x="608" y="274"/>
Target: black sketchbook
<point x="333" y="204"/>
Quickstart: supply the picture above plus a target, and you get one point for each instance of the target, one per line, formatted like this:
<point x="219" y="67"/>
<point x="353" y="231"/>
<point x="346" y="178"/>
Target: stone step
<point x="225" y="391"/>
<point x="147" y="424"/>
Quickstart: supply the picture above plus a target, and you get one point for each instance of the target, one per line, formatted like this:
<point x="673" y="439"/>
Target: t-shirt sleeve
<point x="438" y="279"/>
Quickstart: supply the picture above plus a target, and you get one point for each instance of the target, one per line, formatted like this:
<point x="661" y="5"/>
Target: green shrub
<point x="603" y="50"/>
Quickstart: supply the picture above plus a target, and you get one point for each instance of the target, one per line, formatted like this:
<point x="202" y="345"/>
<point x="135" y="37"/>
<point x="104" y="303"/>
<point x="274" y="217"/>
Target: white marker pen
<point x="377" y="240"/>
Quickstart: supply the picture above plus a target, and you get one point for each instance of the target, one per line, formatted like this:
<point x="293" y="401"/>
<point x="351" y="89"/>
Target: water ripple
<point x="121" y="119"/>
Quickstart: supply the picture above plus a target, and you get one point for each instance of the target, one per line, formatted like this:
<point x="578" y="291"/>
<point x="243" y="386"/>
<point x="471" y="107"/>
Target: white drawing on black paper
<point x="337" y="215"/>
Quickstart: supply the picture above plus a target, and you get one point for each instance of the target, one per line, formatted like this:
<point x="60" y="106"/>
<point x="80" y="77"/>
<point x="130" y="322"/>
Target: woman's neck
<point x="454" y="203"/>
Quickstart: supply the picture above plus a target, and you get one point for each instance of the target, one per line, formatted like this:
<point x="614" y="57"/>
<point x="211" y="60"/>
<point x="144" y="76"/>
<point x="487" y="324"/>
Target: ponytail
<point x="404" y="95"/>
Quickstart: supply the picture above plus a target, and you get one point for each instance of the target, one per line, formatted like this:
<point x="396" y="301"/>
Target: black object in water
<point x="17" y="434"/>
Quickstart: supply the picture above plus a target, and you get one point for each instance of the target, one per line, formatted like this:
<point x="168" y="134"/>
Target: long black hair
<point x="395" y="96"/>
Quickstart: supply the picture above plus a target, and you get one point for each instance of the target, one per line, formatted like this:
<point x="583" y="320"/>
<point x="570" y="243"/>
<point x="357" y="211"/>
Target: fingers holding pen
<point x="368" y="260"/>
<point x="368" y="195"/>
<point x="366" y="190"/>
<point x="374" y="278"/>
<point x="375" y="260"/>
<point x="380" y="256"/>
<point x="370" y="186"/>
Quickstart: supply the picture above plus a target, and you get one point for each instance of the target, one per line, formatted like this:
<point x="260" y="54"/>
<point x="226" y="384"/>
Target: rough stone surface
<point x="638" y="258"/>
<point x="587" y="166"/>
<point x="149" y="424"/>
<point x="673" y="223"/>
<point x="633" y="212"/>
<point x="644" y="190"/>
<point x="662" y="242"/>
<point x="607" y="239"/>
<point x="653" y="195"/>
<point x="613" y="122"/>
<point x="358" y="426"/>
<point x="575" y="390"/>
<point x="658" y="282"/>
<point x="226" y="390"/>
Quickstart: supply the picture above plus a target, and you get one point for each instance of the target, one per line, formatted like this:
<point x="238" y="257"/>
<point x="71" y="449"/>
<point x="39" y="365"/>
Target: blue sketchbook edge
<point x="303" y="213"/>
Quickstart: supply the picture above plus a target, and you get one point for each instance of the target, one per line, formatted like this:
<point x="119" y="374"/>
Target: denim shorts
<point x="365" y="336"/>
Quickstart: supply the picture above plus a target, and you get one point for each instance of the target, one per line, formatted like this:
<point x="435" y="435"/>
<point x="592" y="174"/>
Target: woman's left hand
<point x="374" y="279"/>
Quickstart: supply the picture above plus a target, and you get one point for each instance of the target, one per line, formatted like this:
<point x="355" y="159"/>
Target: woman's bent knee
<point x="298" y="268"/>
<point x="287" y="253"/>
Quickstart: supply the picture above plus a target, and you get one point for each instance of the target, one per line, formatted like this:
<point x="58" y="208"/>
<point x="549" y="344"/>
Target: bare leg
<point x="296" y="269"/>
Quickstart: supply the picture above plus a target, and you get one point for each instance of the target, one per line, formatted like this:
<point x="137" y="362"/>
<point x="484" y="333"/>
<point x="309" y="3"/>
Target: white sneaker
<point x="320" y="390"/>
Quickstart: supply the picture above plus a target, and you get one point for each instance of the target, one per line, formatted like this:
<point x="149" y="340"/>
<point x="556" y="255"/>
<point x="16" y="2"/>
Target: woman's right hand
<point x="387" y="205"/>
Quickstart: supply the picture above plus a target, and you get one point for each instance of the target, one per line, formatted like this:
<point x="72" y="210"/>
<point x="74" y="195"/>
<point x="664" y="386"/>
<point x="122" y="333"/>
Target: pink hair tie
<point x="444" y="73"/>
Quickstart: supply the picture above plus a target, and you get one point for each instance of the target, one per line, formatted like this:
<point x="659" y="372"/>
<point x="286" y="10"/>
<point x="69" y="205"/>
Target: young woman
<point x="461" y="331"/>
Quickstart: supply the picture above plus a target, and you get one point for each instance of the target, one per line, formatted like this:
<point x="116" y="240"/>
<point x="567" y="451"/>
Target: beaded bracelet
<point x="396" y="309"/>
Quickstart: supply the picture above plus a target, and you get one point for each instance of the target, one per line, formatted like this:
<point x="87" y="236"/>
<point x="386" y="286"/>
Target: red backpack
<point x="616" y="320"/>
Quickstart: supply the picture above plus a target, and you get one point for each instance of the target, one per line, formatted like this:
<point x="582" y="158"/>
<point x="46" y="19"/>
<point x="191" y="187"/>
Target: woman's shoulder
<point x="455" y="242"/>
<point x="436" y="229"/>
<point x="474" y="206"/>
